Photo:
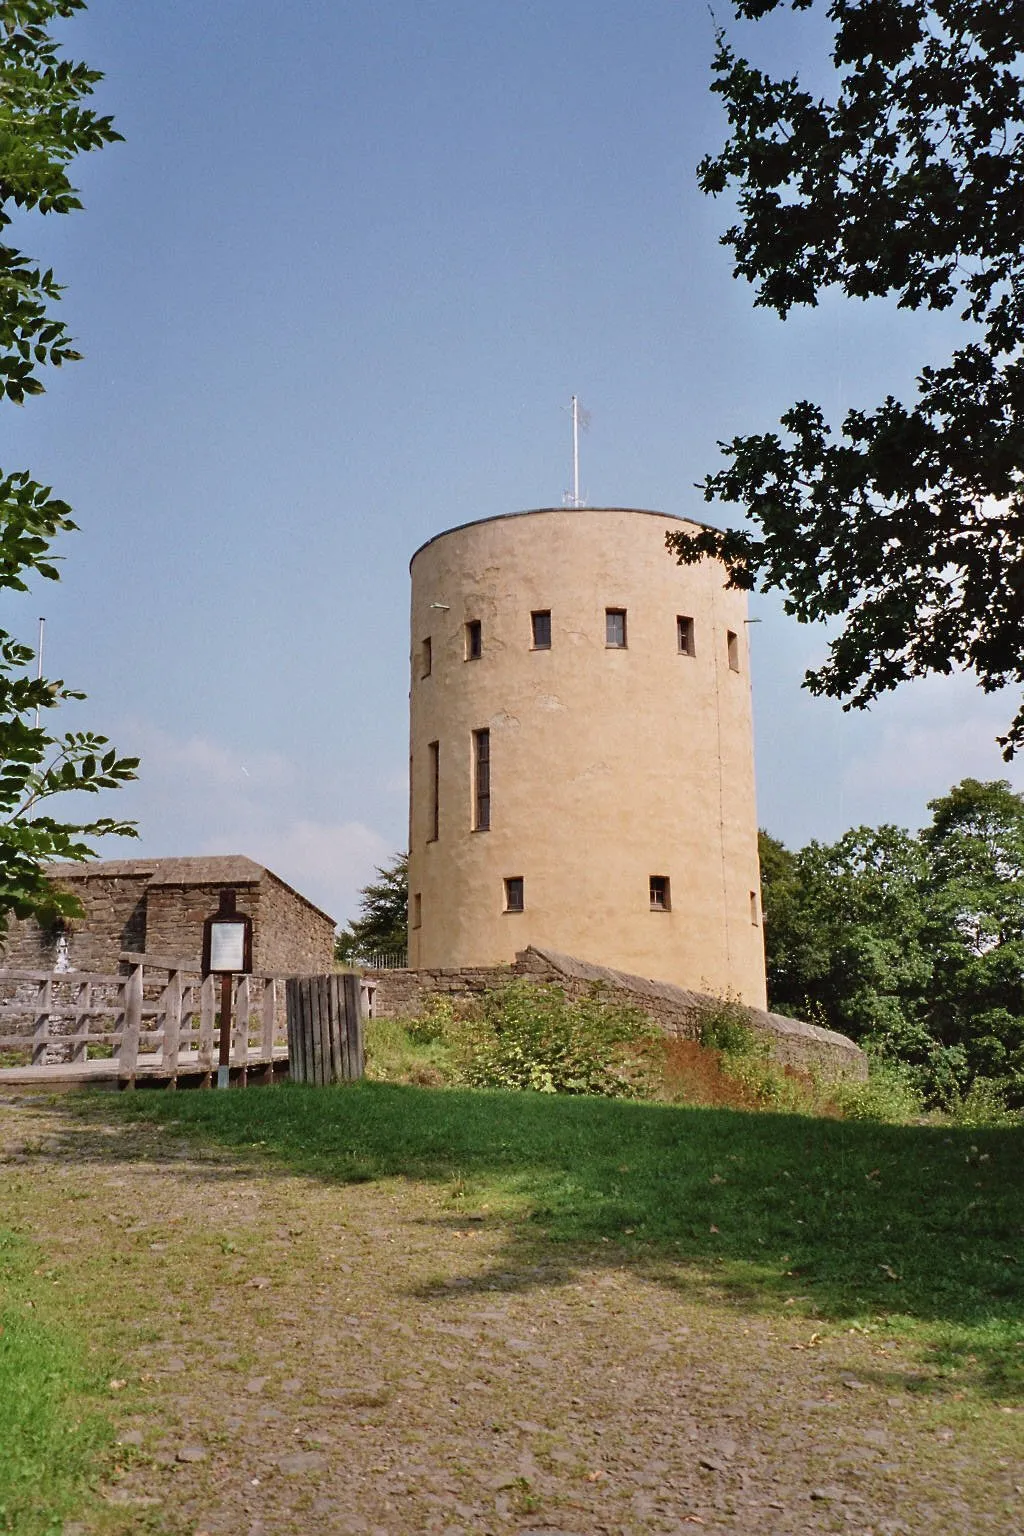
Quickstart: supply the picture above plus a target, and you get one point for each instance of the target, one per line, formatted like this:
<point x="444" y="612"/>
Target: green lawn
<point x="917" y="1229"/>
<point x="50" y="1426"/>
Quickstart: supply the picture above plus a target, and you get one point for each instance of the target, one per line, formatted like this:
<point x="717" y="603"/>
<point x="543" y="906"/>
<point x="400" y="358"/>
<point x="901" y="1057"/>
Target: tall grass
<point x="50" y="1427"/>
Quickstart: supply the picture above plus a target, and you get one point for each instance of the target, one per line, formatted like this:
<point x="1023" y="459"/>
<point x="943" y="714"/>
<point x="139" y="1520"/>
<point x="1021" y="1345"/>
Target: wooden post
<point x="41" y="1029"/>
<point x="128" y="1055"/>
<point x="83" y="1018"/>
<point x="269" y="1026"/>
<point x="325" y="1029"/>
<point x="172" y="1026"/>
<point x="206" y="1010"/>
<point x="240" y="1042"/>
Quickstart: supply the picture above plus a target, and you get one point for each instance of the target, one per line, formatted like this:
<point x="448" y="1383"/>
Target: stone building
<point x="158" y="906"/>
<point x="582" y="773"/>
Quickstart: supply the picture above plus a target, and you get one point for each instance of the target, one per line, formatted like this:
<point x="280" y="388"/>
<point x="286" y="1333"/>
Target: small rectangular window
<point x="474" y="640"/>
<point x="660" y="894"/>
<point x="541" y="625"/>
<point x="417" y="910"/>
<point x="481" y="781"/>
<point x="753" y="908"/>
<point x="615" y="628"/>
<point x="426" y="657"/>
<point x="514" y="893"/>
<point x="732" y="641"/>
<point x="434" y="757"/>
<point x="684" y="635"/>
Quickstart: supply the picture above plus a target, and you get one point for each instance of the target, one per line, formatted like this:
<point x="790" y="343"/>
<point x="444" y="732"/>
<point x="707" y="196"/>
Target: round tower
<point x="582" y="772"/>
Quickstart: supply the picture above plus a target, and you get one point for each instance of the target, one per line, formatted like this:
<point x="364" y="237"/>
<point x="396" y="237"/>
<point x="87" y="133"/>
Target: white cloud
<point x="329" y="863"/>
<point x="198" y="795"/>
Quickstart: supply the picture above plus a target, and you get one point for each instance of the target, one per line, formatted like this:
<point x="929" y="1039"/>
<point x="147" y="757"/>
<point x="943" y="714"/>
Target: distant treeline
<point x="912" y="945"/>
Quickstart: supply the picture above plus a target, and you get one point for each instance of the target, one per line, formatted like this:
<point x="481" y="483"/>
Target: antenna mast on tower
<point x="580" y="418"/>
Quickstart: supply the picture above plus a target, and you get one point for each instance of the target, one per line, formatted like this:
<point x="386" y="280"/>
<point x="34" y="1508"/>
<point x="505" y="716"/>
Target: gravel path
<point x="296" y="1357"/>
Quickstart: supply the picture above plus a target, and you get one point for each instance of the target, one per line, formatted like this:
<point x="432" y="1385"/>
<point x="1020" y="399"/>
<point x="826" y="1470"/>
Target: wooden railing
<point x="159" y="1019"/>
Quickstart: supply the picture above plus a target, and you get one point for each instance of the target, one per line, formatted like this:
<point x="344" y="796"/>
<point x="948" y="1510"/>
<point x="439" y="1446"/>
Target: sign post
<point x="227" y="953"/>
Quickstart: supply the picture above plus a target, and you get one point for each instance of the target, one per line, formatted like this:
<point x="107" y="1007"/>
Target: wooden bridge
<point x="160" y="1020"/>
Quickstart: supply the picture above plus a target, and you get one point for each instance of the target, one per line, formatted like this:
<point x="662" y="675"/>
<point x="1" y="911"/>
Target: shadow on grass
<point x="853" y="1221"/>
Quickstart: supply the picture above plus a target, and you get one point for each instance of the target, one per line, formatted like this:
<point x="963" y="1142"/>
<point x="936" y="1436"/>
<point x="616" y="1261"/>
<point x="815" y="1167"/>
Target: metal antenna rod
<point x="39" y="661"/>
<point x="575" y="452"/>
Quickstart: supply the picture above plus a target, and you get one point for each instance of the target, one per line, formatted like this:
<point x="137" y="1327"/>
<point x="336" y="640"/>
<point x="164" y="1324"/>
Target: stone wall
<point x="158" y="906"/>
<point x="114" y="920"/>
<point x="674" y="1009"/>
<point x="175" y="915"/>
<point x="292" y="936"/>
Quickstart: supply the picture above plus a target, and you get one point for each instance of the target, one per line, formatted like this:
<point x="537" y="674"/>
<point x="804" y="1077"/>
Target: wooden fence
<point x="160" y="1019"/>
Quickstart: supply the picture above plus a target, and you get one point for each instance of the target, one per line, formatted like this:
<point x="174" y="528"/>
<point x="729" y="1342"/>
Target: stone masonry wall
<point x="115" y="920"/>
<point x="672" y="1008"/>
<point x="292" y="937"/>
<point x="175" y="915"/>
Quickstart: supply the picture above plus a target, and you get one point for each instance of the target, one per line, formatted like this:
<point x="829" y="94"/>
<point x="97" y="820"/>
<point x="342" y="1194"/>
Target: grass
<point x="914" y="1229"/>
<point x="50" y="1428"/>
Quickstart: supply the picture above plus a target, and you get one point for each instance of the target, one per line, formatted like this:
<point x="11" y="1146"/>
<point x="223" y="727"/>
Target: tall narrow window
<point x="426" y="657"/>
<point x="541" y="625"/>
<point x="661" y="898"/>
<point x="615" y="628"/>
<point x="417" y="910"/>
<point x="434" y="757"/>
<point x="684" y="635"/>
<point x="732" y="642"/>
<point x="753" y="908"/>
<point x="474" y="640"/>
<point x="514" y="893"/>
<point x="481" y="781"/>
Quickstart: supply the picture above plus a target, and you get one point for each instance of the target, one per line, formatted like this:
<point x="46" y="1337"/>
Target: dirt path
<point x="303" y="1358"/>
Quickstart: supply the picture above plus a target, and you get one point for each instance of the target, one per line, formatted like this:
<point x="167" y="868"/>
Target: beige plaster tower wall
<point x="609" y="764"/>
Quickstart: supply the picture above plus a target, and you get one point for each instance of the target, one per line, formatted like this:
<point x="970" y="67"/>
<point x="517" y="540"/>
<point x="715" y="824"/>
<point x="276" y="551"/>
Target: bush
<point x="724" y="1025"/>
<point x="888" y="1097"/>
<point x="983" y="1104"/>
<point x="530" y="1036"/>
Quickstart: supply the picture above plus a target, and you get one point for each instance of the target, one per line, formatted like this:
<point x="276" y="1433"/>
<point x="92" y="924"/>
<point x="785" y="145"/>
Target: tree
<point x="383" y="923"/>
<point x="912" y="945"/>
<point x="42" y="128"/>
<point x="909" y="183"/>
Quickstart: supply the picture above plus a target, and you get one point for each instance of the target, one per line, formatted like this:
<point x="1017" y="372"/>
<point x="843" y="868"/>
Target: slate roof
<point x="207" y="869"/>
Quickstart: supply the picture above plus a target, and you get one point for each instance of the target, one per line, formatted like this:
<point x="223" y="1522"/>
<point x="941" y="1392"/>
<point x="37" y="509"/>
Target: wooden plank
<point x="83" y="1002"/>
<point x="240" y="1026"/>
<point x="326" y="1027"/>
<point x="337" y="1014"/>
<point x="172" y="1020"/>
<point x="354" y="1020"/>
<point x="207" y="1008"/>
<point x="316" y="1031"/>
<point x="41" y="1027"/>
<point x="293" y="1013"/>
<point x="158" y="962"/>
<point x="269" y="1018"/>
<point x="128" y="1054"/>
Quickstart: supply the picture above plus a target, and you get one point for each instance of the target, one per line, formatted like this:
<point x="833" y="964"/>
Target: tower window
<point x="481" y="781"/>
<point x="474" y="640"/>
<point x="426" y="657"/>
<point x="732" y="643"/>
<point x="684" y="635"/>
<point x="434" y="755"/>
<point x="661" y="899"/>
<point x="417" y="910"/>
<point x="753" y="908"/>
<point x="541" y="625"/>
<point x="615" y="628"/>
<point x="514" y="893"/>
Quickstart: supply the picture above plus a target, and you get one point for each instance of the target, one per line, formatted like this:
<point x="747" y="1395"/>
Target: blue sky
<point x="335" y="291"/>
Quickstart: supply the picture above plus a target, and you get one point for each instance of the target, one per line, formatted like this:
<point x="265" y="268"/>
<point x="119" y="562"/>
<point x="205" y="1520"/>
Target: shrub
<point x="983" y="1104"/>
<point x="889" y="1096"/>
<point x="530" y="1036"/>
<point x="436" y="1022"/>
<point x="724" y="1025"/>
